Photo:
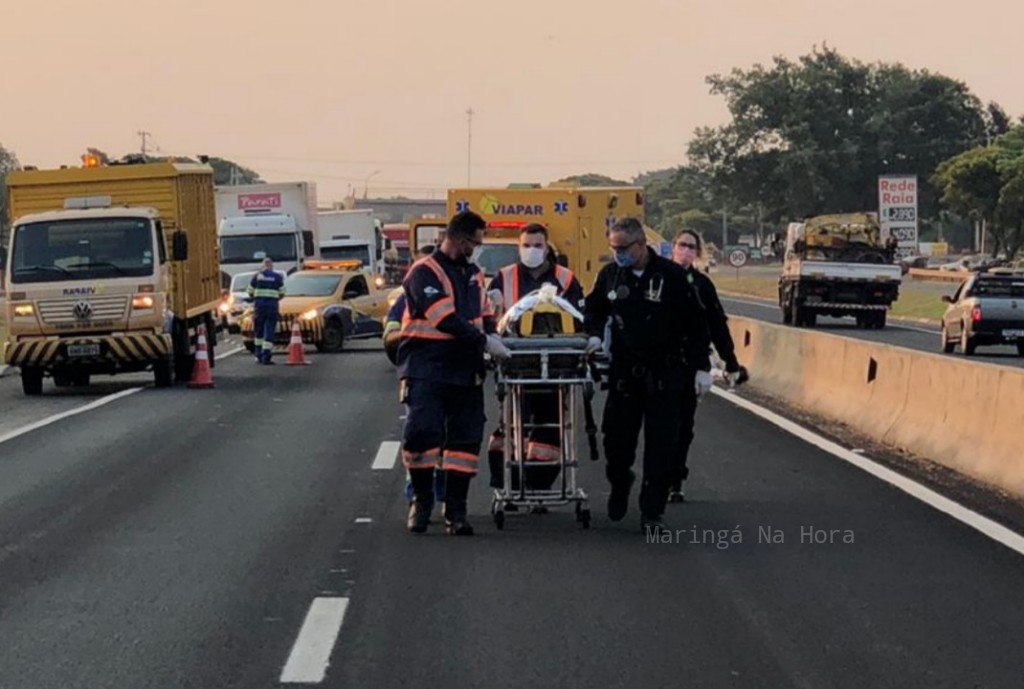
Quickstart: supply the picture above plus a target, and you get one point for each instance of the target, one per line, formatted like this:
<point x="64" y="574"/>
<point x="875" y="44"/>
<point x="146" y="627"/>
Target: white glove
<point x="594" y="344"/>
<point x="496" y="348"/>
<point x="496" y="298"/>
<point x="702" y="383"/>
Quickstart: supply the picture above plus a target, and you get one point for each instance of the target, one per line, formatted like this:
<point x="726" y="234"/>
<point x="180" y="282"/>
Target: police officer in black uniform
<point x="657" y="331"/>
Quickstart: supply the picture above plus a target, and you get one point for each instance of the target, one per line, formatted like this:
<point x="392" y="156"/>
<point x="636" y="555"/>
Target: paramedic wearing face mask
<point x="686" y="249"/>
<point x="658" y="333"/>
<point x="536" y="268"/>
<point x="446" y="328"/>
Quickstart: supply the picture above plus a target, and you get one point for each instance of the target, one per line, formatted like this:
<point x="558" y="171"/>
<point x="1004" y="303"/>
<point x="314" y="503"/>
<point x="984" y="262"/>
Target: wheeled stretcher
<point x="541" y="388"/>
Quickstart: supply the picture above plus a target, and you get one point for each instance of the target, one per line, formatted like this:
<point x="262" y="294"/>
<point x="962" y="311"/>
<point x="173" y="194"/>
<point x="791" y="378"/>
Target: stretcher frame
<point x="560" y="363"/>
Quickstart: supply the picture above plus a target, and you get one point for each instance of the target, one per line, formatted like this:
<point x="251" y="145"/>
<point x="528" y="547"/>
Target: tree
<point x="591" y="179"/>
<point x="987" y="183"/>
<point x="812" y="136"/>
<point x="226" y="172"/>
<point x="8" y="162"/>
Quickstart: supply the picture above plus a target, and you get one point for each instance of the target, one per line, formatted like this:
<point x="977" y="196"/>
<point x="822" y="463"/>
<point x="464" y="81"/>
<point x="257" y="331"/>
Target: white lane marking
<point x="364" y="520"/>
<point x="307" y="663"/>
<point x="228" y="353"/>
<point x="36" y="425"/>
<point x="11" y="435"/>
<point x="387" y="455"/>
<point x="997" y="532"/>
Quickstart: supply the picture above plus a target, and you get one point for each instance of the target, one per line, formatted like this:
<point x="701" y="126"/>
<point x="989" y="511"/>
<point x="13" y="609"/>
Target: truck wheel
<point x="947" y="345"/>
<point x="80" y="379"/>
<point x="163" y="374"/>
<point x="32" y="381"/>
<point x="1020" y="347"/>
<point x="810" y="318"/>
<point x="879" y="320"/>
<point x="967" y="345"/>
<point x="183" y="368"/>
<point x="334" y="337"/>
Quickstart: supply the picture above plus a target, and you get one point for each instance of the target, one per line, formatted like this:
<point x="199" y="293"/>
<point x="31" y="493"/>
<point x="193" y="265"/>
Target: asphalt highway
<point x="253" y="536"/>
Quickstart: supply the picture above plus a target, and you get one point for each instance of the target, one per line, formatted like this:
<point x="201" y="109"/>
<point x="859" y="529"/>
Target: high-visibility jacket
<point x="266" y="289"/>
<point x="445" y="321"/>
<point x="516" y="281"/>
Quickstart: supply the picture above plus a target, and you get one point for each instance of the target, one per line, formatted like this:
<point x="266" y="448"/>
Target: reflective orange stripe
<point x="542" y="452"/>
<point x="510" y="281"/>
<point x="564" y="276"/>
<point x="420" y="460"/>
<point x="440" y="310"/>
<point x="426" y="328"/>
<point x="459" y="461"/>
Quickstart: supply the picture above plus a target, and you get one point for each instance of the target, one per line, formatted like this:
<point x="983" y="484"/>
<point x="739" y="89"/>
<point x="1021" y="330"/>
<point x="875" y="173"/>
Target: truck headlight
<point x="24" y="310"/>
<point x="310" y="315"/>
<point x="142" y="301"/>
<point x="379" y="281"/>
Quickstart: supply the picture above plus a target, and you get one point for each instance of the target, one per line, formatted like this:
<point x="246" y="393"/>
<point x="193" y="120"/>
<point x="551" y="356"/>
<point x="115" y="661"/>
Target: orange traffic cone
<point x="201" y="377"/>
<point x="296" y="352"/>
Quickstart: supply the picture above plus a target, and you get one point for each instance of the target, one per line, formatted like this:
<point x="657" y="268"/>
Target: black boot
<point x="456" y="492"/>
<point x="618" y="500"/>
<point x="422" y="501"/>
<point x="651" y="526"/>
<point x="676" y="494"/>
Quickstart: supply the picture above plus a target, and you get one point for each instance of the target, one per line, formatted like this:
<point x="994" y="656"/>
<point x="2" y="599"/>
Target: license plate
<point x="83" y="350"/>
<point x="1013" y="333"/>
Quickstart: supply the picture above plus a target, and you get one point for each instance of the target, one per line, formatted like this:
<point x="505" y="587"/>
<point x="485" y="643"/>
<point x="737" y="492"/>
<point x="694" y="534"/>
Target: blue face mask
<point x="624" y="259"/>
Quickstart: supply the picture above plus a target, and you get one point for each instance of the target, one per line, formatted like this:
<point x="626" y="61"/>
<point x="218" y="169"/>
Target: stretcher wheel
<point x="583" y="516"/>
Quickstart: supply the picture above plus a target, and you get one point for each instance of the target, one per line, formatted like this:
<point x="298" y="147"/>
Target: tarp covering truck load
<point x="110" y="269"/>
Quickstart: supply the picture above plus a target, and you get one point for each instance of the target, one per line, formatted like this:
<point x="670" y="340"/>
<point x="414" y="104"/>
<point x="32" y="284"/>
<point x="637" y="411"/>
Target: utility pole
<point x="725" y="230"/>
<point x="144" y="135"/>
<point x="469" y="148"/>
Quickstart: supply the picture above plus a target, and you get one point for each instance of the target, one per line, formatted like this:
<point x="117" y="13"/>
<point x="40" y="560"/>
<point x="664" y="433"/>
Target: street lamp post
<point x="366" y="182"/>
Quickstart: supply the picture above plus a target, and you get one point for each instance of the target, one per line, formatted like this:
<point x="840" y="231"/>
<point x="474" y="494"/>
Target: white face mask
<point x="532" y="256"/>
<point x="477" y="253"/>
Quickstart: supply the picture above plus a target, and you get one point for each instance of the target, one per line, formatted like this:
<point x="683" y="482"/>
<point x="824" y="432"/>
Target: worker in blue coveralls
<point x="265" y="289"/>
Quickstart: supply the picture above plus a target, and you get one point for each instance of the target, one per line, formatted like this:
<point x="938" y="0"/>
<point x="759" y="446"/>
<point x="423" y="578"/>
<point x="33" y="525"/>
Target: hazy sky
<point x="335" y="90"/>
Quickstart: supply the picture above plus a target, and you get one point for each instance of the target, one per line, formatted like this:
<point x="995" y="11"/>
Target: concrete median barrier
<point x="968" y="416"/>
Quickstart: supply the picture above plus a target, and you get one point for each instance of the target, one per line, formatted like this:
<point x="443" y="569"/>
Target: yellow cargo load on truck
<point x="110" y="269"/>
<point x="577" y="219"/>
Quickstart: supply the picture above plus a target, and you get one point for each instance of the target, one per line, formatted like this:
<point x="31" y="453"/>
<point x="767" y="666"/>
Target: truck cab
<point x="246" y="240"/>
<point x="838" y="265"/>
<point x="111" y="269"/>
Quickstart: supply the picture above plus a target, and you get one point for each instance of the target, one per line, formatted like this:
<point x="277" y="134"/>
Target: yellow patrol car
<point x="332" y="301"/>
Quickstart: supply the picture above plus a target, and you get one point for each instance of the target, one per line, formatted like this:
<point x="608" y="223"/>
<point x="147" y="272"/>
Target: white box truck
<point x="353" y="234"/>
<point x="266" y="220"/>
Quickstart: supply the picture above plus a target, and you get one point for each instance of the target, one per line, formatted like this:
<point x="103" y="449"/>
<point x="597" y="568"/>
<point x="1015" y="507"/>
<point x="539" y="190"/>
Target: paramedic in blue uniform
<point x="536" y="267"/>
<point x="265" y="289"/>
<point x="446" y="328"/>
<point x="658" y="331"/>
<point x="687" y="247"/>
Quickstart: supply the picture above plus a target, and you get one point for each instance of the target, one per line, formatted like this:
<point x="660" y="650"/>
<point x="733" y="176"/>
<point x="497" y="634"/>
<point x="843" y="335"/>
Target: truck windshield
<point x="494" y="257"/>
<point x="342" y="253"/>
<point x="311" y="285"/>
<point x="253" y="248"/>
<point x="86" y="249"/>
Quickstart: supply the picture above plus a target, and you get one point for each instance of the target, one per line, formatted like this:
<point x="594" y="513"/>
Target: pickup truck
<point x="987" y="309"/>
<point x="838" y="265"/>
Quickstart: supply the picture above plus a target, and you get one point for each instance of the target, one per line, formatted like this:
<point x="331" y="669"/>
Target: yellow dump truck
<point x="110" y="269"/>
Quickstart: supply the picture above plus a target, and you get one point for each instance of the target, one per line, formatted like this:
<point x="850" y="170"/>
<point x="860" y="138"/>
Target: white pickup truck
<point x="837" y="266"/>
